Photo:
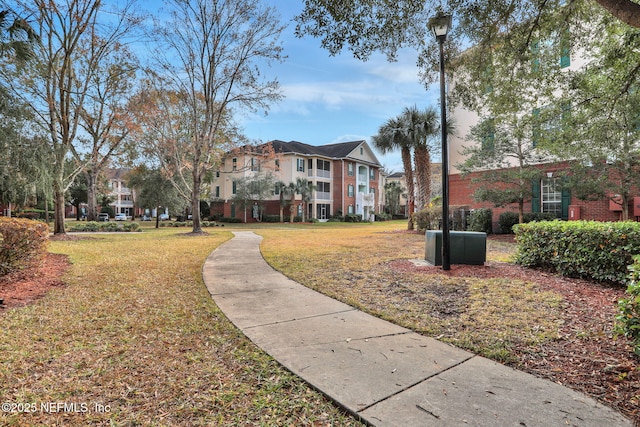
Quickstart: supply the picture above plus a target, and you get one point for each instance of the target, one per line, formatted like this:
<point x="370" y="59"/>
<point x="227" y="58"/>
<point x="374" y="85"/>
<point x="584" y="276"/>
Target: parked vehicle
<point x="121" y="217"/>
<point x="103" y="217"/>
<point x="164" y="217"/>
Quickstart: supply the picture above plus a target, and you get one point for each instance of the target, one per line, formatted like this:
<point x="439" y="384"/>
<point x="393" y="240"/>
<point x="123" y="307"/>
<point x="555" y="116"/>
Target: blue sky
<point x="336" y="99"/>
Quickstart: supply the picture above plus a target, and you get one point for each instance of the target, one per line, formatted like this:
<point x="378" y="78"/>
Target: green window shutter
<point x="565" y="49"/>
<point x="535" y="55"/>
<point x="535" y="195"/>
<point x="489" y="135"/>
<point x="566" y="200"/>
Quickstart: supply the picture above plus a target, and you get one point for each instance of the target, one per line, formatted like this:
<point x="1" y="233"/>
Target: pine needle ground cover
<point x="135" y="339"/>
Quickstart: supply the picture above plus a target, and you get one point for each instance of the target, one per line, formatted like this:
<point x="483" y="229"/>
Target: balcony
<point x="368" y="199"/>
<point x="323" y="195"/>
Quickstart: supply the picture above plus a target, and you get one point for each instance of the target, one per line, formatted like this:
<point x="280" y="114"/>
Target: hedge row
<point x="600" y="251"/>
<point x="22" y="243"/>
<point x="628" y="318"/>
<point x="93" y="226"/>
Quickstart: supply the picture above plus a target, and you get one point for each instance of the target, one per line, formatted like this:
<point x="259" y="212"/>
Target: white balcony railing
<point x="323" y="195"/>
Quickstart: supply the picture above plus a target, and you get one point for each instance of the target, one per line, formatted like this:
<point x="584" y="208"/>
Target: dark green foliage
<point x="593" y="250"/>
<point x="429" y="218"/>
<point x="352" y="218"/>
<point x="230" y="220"/>
<point x="270" y="218"/>
<point x="481" y="220"/>
<point x="507" y="220"/>
<point x="93" y="226"/>
<point x="628" y="318"/>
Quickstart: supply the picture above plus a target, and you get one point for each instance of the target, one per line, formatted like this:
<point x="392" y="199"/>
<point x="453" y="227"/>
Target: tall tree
<point x="211" y="52"/>
<point x="153" y="190"/>
<point x="423" y="129"/>
<point x="601" y="121"/>
<point x="392" y="192"/>
<point x="367" y="26"/>
<point x="56" y="87"/>
<point x="392" y="135"/>
<point x="104" y="116"/>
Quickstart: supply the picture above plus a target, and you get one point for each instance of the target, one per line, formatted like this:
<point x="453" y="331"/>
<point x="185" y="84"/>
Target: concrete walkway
<point x="382" y="373"/>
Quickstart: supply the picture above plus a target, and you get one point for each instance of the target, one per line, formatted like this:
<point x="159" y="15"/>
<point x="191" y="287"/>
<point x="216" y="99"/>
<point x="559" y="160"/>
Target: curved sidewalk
<point x="382" y="373"/>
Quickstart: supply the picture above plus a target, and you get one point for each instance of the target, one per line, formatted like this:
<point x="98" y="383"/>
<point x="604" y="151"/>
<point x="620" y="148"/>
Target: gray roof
<point x="335" y="151"/>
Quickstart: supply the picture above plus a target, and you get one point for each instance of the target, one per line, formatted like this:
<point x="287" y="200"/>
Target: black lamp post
<point x="440" y="25"/>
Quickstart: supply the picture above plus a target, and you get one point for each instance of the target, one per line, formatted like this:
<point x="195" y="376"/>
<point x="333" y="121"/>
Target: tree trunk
<point x="92" y="197"/>
<point x="58" y="205"/>
<point x="423" y="176"/>
<point x="292" y="208"/>
<point x="195" y="204"/>
<point x="408" y="173"/>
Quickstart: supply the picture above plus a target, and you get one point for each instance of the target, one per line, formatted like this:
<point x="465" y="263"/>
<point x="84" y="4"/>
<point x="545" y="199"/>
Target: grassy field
<point x="366" y="267"/>
<point x="135" y="339"/>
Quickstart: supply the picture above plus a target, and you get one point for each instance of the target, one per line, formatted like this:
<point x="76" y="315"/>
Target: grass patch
<point x="136" y="339"/>
<point x="355" y="265"/>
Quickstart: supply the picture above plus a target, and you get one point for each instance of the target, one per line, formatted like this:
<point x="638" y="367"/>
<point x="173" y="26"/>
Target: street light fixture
<point x="440" y="25"/>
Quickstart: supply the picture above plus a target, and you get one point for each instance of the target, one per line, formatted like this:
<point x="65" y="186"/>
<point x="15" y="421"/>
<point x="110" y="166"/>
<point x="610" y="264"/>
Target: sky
<point x="336" y="99"/>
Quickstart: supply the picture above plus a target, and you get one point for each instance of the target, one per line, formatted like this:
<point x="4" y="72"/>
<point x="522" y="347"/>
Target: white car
<point x="121" y="217"/>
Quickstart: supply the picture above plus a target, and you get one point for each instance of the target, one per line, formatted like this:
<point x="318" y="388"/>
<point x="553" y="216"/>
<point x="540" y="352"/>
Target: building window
<point x="350" y="190"/>
<point x="350" y="210"/>
<point x="324" y="168"/>
<point x="234" y="162"/>
<point x="276" y="191"/>
<point x="361" y="151"/>
<point x="217" y="191"/>
<point x="372" y="174"/>
<point x="277" y="164"/>
<point x="233" y="187"/>
<point x="255" y="165"/>
<point x="300" y="165"/>
<point x="350" y="169"/>
<point x="217" y="174"/>
<point x="551" y="196"/>
<point x="323" y="190"/>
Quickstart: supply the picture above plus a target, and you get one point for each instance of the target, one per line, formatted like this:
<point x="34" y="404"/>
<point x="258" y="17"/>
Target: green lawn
<point x="135" y="339"/>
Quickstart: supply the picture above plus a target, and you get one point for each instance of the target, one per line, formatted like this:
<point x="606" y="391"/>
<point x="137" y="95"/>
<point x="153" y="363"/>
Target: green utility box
<point x="466" y="247"/>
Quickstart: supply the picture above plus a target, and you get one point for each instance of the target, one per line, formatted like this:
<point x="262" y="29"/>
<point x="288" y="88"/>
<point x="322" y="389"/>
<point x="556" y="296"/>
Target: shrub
<point x="23" y="242"/>
<point x="271" y="218"/>
<point x="507" y="220"/>
<point x="383" y="216"/>
<point x="587" y="249"/>
<point x="429" y="218"/>
<point x="230" y="220"/>
<point x="353" y="218"/>
<point x="131" y="226"/>
<point x="628" y="318"/>
<point x="481" y="220"/>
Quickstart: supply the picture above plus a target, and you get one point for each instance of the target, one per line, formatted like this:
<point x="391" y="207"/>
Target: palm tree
<point x="305" y="188"/>
<point x="422" y="129"/>
<point x="282" y="188"/>
<point x="17" y="38"/>
<point x="392" y="135"/>
<point x="291" y="190"/>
